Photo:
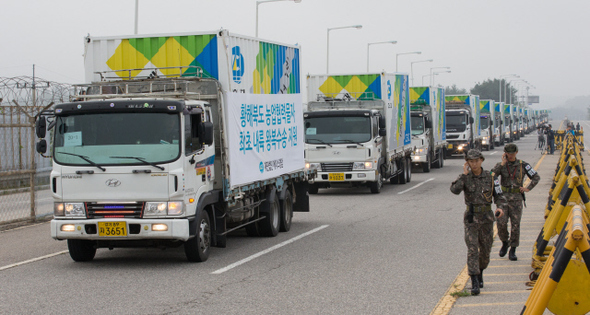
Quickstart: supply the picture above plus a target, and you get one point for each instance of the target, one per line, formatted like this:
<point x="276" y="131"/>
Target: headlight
<point x="356" y="166"/>
<point x="154" y="209"/>
<point x="313" y="166"/>
<point x="71" y="210"/>
<point x="418" y="151"/>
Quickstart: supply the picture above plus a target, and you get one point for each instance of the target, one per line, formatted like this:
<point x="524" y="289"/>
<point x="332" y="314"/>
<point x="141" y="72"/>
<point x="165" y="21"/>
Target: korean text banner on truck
<point x="265" y="136"/>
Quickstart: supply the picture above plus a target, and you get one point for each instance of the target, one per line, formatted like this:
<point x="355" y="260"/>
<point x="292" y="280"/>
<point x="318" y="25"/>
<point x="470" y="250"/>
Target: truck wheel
<point x="409" y="169"/>
<point x="426" y="165"/>
<point x="81" y="250"/>
<point x="376" y="185"/>
<point x="441" y="159"/>
<point x="402" y="177"/>
<point x="197" y="248"/>
<point x="313" y="189"/>
<point x="270" y="225"/>
<point x="286" y="212"/>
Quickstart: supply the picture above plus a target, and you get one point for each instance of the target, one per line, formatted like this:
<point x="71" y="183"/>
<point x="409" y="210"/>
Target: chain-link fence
<point x="24" y="174"/>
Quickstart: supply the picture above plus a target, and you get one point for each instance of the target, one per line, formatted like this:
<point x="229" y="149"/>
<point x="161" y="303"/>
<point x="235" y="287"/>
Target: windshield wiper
<point x="139" y="159"/>
<point x="85" y="158"/>
<point x="350" y="141"/>
<point x="320" y="141"/>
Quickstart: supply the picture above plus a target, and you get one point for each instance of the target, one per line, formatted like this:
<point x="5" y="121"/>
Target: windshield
<point x="485" y="122"/>
<point x="117" y="138"/>
<point x="456" y="123"/>
<point x="417" y="125"/>
<point x="337" y="129"/>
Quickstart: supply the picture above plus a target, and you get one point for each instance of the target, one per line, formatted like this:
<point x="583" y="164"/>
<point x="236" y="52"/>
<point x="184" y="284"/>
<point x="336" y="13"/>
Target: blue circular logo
<point x="261" y="167"/>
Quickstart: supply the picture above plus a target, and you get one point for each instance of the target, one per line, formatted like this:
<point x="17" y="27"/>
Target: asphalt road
<point x="396" y="252"/>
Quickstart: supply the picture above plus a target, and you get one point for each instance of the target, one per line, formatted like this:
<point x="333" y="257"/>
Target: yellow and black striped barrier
<point x="567" y="263"/>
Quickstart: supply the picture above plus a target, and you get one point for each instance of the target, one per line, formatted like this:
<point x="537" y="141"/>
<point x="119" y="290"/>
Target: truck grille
<point x="114" y="210"/>
<point x="452" y="136"/>
<point x="336" y="167"/>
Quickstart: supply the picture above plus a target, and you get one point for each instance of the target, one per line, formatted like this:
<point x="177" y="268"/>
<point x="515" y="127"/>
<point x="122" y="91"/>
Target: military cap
<point x="474" y="154"/>
<point x="510" y="148"/>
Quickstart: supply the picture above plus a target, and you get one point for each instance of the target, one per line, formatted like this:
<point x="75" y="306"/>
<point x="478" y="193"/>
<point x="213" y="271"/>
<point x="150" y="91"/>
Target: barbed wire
<point x="19" y="90"/>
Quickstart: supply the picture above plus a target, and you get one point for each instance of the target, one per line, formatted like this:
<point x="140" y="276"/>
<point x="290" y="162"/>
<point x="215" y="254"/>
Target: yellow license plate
<point x="336" y="176"/>
<point x="112" y="229"/>
<point x="450" y="146"/>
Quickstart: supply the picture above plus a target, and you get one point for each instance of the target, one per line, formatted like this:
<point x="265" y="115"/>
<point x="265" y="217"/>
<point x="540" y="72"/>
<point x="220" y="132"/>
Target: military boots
<point x="474" y="285"/>
<point x="512" y="254"/>
<point x="504" y="249"/>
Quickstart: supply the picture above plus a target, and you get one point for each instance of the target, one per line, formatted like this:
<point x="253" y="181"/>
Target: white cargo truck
<point x="427" y="111"/>
<point x="498" y="123"/>
<point x="487" y="121"/>
<point x="177" y="140"/>
<point x="463" y="129"/>
<point x="357" y="130"/>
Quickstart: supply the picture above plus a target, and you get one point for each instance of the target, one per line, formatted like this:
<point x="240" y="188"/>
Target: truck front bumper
<point x="457" y="147"/>
<point x="420" y="157"/>
<point x="137" y="229"/>
<point x="345" y="177"/>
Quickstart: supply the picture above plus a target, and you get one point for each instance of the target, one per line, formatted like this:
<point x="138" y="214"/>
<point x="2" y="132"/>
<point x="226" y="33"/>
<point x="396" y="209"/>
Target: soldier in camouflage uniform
<point x="479" y="188"/>
<point x="512" y="172"/>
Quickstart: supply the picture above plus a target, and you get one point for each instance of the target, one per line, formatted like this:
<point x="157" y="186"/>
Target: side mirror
<point x="381" y="123"/>
<point x="42" y="146"/>
<point x="428" y="124"/>
<point x="206" y="132"/>
<point x="471" y="120"/>
<point x="382" y="132"/>
<point x="41" y="127"/>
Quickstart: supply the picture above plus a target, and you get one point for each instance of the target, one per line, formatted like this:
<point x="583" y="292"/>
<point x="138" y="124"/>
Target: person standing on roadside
<point x="550" y="139"/>
<point x="479" y="188"/>
<point x="512" y="172"/>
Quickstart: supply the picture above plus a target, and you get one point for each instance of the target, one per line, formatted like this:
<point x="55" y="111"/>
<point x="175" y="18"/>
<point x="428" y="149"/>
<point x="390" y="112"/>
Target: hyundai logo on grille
<point x="336" y="152"/>
<point x="113" y="182"/>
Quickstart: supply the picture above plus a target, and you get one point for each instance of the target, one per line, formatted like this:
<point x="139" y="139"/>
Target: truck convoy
<point x="463" y="130"/>
<point x="357" y="130"/>
<point x="499" y="123"/>
<point x="427" y="111"/>
<point x="487" y="123"/>
<point x="181" y="139"/>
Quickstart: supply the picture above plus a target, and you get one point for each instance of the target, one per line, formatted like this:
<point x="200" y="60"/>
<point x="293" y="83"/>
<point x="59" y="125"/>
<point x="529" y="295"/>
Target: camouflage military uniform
<point x="479" y="230"/>
<point x="512" y="177"/>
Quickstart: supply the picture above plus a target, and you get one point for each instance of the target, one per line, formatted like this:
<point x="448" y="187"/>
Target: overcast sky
<point x="546" y="42"/>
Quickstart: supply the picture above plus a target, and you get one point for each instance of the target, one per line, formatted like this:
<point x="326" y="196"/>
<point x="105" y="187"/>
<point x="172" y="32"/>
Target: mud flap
<point x="301" y="198"/>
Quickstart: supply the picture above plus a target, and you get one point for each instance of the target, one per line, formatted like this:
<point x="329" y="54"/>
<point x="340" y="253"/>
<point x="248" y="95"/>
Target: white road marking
<point x="266" y="251"/>
<point x="32" y="260"/>
<point x="416" y="186"/>
<point x="493" y="152"/>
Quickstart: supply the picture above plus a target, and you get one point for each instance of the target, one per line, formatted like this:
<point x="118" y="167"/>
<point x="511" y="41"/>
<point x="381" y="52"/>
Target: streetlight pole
<point x="433" y="69"/>
<point x="500" y="85"/>
<point x="328" y="43"/>
<point x="369" y="44"/>
<point x="507" y="86"/>
<point x="412" y="68"/>
<point x="437" y="73"/>
<point x="136" y="14"/>
<point x="406" y="53"/>
<point x="265" y="1"/>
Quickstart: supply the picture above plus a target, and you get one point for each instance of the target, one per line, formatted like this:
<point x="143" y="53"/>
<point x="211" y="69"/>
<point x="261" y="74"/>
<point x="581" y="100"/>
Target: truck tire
<point x="197" y="248"/>
<point x="426" y="165"/>
<point x="409" y="170"/>
<point x="81" y="250"/>
<point x="402" y="176"/>
<point x="269" y="226"/>
<point x="286" y="212"/>
<point x="441" y="158"/>
<point x="376" y="185"/>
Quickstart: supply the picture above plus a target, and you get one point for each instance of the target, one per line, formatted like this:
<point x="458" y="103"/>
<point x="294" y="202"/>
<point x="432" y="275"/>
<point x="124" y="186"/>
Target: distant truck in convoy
<point x="357" y="130"/>
<point x="197" y="140"/>
<point x="499" y="124"/>
<point x="463" y="129"/>
<point x="487" y="123"/>
<point x="427" y="111"/>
